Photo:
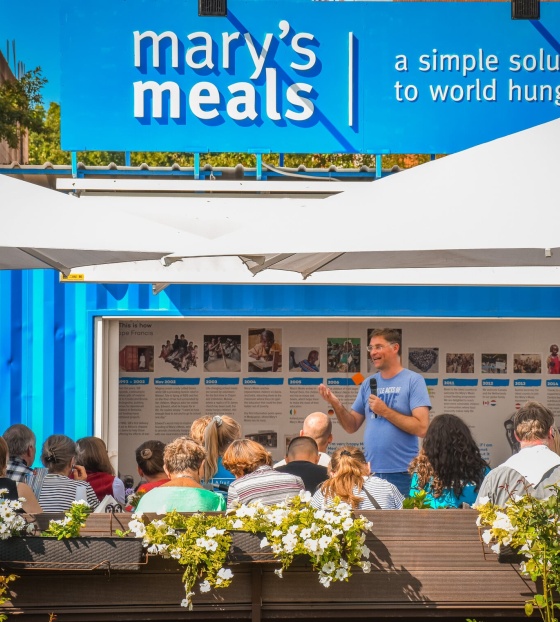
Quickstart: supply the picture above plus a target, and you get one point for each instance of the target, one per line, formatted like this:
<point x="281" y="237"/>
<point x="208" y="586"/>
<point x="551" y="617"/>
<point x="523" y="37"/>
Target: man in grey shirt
<point x="534" y="468"/>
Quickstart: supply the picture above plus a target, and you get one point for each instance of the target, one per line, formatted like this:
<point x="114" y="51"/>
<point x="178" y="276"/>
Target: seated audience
<point x="318" y="426"/>
<point x="182" y="461"/>
<point x="149" y="458"/>
<point x="22" y="448"/>
<point x="351" y="481"/>
<point x="302" y="460"/>
<point x="58" y="491"/>
<point x="15" y="490"/>
<point x="534" y="468"/>
<point x="93" y="456"/>
<point x="449" y="466"/>
<point x="215" y="434"/>
<point x="256" y="480"/>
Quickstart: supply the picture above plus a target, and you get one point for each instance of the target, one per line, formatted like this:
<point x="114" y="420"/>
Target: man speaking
<point x="395" y="405"/>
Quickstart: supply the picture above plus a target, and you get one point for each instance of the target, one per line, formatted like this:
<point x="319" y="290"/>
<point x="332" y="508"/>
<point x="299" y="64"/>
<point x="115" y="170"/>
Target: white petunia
<point x="341" y="574"/>
<point x="325" y="580"/>
<point x="366" y="566"/>
<point x="328" y="568"/>
<point x="365" y="551"/>
<point x="487" y="536"/>
<point x="305" y="496"/>
<point x="205" y="586"/>
<point x="278" y="572"/>
<point x="264" y="542"/>
<point x="225" y="574"/>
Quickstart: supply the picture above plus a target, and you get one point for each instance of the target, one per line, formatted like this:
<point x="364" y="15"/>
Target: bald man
<point x="318" y="426"/>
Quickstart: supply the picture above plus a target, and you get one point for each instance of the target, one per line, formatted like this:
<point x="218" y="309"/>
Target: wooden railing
<point x="426" y="564"/>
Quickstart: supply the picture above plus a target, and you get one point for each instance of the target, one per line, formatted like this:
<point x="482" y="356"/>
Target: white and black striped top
<point x="387" y="495"/>
<point x="265" y="485"/>
<point x="58" y="492"/>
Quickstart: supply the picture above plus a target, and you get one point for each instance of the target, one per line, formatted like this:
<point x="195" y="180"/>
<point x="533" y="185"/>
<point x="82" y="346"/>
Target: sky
<point x="36" y="31"/>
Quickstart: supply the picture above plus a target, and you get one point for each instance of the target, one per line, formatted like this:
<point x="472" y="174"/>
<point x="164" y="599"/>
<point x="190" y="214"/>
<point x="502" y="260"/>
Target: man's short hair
<point x="302" y="445"/>
<point x="533" y="421"/>
<point x="18" y="437"/>
<point x="391" y="335"/>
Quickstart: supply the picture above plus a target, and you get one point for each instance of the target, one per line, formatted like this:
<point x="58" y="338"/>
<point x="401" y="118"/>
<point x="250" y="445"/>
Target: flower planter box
<point x="246" y="547"/>
<point x="84" y="553"/>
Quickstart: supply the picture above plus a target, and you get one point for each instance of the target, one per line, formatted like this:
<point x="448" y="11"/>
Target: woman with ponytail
<point x="216" y="434"/>
<point x="350" y="481"/>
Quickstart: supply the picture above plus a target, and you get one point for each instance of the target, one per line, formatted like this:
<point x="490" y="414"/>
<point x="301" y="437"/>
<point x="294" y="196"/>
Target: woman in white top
<point x="351" y="481"/>
<point x="58" y="490"/>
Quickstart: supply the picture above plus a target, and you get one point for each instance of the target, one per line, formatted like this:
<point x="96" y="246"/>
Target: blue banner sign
<point x="263" y="381"/>
<point x="527" y="383"/>
<point x="302" y="76"/>
<point x="307" y="382"/>
<point x="494" y="382"/>
<point x="177" y="381"/>
<point x="222" y="381"/>
<point x="460" y="382"/>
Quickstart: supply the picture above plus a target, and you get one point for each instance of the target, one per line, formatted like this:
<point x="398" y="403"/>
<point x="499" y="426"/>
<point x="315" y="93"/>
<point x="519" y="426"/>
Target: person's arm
<point x="417" y="424"/>
<point x="30" y="505"/>
<point x="118" y="491"/>
<point x="350" y="420"/>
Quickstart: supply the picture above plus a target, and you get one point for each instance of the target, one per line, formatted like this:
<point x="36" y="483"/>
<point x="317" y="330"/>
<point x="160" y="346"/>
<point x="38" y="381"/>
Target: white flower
<point x="238" y="524"/>
<point x="205" y="586"/>
<point x="225" y="574"/>
<point x="305" y="496"/>
<point x="289" y="541"/>
<point x="366" y="566"/>
<point x="502" y="521"/>
<point x="276" y="533"/>
<point x="482" y="501"/>
<point x="305" y="533"/>
<point x="278" y="572"/>
<point x="324" y="542"/>
<point x="264" y="542"/>
<point x="328" y="568"/>
<point x="347" y="524"/>
<point x="311" y="545"/>
<point x="487" y="536"/>
<point x="365" y="551"/>
<point x="213" y="532"/>
<point x="325" y="580"/>
<point x="496" y="548"/>
<point x="341" y="574"/>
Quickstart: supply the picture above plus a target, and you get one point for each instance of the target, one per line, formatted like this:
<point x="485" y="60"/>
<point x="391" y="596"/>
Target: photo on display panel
<point x="553" y="360"/>
<point x="137" y="358"/>
<point x="527" y="364"/>
<point x="494" y="363"/>
<point x="265" y="350"/>
<point x="305" y="359"/>
<point x="343" y="354"/>
<point x="180" y="353"/>
<point x="423" y="360"/>
<point x="459" y="363"/>
<point x="222" y="353"/>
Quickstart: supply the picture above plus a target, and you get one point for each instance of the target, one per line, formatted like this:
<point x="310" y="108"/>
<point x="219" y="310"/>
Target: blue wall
<point x="46" y="328"/>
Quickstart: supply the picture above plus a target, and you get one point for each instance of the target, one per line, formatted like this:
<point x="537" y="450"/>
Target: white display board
<point x="171" y="372"/>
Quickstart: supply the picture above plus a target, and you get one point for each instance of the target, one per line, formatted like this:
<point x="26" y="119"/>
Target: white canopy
<point x="43" y="228"/>
<point x="475" y="216"/>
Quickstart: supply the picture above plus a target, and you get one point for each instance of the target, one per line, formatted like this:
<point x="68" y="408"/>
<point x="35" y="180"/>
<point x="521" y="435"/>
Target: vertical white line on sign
<point x="350" y="79"/>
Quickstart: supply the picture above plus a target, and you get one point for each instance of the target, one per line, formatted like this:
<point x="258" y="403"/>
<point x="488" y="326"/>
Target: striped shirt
<point x="58" y="492"/>
<point x="387" y="495"/>
<point x="265" y="485"/>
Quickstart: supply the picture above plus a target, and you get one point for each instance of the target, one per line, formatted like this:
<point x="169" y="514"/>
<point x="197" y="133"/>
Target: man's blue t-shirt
<point x="389" y="449"/>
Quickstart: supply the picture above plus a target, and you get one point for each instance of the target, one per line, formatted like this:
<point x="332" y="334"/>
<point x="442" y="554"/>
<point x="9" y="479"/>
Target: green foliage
<point x="533" y="527"/>
<point x="417" y="501"/>
<point x="44" y="146"/>
<point x="5" y="580"/>
<point x="21" y="106"/>
<point x="70" y="526"/>
<point x="332" y="540"/>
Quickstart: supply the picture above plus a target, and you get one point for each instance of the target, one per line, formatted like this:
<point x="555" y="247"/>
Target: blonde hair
<point x="93" y="456"/>
<point x="533" y="421"/>
<point x="216" y="434"/>
<point x="244" y="456"/>
<point x="348" y="468"/>
<point x="183" y="454"/>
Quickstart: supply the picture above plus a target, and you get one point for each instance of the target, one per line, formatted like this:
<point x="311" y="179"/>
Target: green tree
<point x="21" y="106"/>
<point x="44" y="147"/>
